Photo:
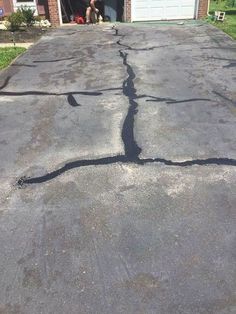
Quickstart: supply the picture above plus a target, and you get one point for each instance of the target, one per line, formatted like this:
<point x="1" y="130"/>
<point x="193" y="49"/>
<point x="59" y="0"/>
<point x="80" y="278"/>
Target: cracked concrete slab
<point x="122" y="141"/>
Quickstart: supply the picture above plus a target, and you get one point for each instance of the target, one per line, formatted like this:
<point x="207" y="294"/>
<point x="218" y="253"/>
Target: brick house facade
<point x="41" y="6"/>
<point x="55" y="16"/>
<point x="51" y="9"/>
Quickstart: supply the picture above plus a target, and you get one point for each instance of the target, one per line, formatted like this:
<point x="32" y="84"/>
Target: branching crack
<point x="131" y="149"/>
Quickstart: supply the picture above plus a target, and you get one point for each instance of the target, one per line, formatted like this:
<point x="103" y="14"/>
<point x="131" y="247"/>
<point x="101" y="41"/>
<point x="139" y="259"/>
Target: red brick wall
<point x="53" y="12"/>
<point x="202" y="11"/>
<point x="128" y="10"/>
<point x="1" y="3"/>
<point x="203" y="8"/>
<point x="7" y="6"/>
<point x="41" y="6"/>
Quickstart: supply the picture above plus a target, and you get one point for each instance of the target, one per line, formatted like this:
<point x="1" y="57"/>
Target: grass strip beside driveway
<point x="229" y="24"/>
<point x="8" y="54"/>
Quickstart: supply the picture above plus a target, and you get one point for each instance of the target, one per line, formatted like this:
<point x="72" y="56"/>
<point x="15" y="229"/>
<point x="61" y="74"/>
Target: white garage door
<point x="151" y="10"/>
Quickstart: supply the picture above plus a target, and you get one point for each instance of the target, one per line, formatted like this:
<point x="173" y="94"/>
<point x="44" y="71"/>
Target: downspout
<point x="125" y="8"/>
<point x="197" y="9"/>
<point x="208" y="8"/>
<point x="131" y="11"/>
<point x="59" y="11"/>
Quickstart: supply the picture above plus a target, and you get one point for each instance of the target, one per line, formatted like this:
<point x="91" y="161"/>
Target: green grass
<point x="229" y="24"/>
<point x="7" y="55"/>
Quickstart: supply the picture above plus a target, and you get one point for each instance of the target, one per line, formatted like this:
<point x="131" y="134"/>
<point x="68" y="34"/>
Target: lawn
<point x="229" y="24"/>
<point x="7" y="55"/>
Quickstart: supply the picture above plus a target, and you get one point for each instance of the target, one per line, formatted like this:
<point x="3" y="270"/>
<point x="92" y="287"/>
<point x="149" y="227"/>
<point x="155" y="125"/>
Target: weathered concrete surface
<point x="142" y="217"/>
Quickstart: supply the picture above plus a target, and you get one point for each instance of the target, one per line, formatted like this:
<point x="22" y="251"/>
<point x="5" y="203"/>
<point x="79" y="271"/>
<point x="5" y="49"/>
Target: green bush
<point x="28" y="15"/>
<point x="22" y="15"/>
<point x="15" y="19"/>
<point x="37" y="18"/>
<point x="225" y="3"/>
<point x="231" y="3"/>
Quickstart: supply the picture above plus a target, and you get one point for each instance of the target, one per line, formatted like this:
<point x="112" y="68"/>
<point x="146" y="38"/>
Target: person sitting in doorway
<point x="90" y="8"/>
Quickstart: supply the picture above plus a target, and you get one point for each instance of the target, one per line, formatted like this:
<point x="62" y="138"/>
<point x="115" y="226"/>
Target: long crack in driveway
<point x="118" y="177"/>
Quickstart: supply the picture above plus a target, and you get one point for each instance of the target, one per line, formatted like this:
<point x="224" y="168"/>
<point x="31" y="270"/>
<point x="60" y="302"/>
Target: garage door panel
<point x="155" y="3"/>
<point x="172" y="12"/>
<point x="140" y="15"/>
<point x="156" y="13"/>
<point x="146" y="10"/>
<point x="140" y="4"/>
<point x="188" y="2"/>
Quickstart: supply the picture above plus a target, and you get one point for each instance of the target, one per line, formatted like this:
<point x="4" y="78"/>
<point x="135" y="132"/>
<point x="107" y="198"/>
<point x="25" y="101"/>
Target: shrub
<point x="37" y="18"/>
<point x="15" y="20"/>
<point x="227" y="3"/>
<point x="28" y="15"/>
<point x="231" y="3"/>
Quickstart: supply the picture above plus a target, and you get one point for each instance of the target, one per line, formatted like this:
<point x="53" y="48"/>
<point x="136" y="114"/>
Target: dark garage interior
<point x="110" y="10"/>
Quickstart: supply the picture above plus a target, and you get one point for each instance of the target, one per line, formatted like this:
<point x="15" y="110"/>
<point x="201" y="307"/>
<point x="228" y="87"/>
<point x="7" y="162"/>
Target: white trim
<point x="30" y="4"/>
<point x="208" y="7"/>
<point x="15" y="2"/>
<point x="59" y="11"/>
<point x="131" y="9"/>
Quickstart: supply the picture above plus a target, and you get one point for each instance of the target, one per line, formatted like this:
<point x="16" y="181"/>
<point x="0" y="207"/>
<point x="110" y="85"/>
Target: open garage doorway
<point x="110" y="10"/>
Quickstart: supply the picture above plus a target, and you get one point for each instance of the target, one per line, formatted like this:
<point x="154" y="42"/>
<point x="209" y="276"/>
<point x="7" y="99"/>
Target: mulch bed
<point x="30" y="34"/>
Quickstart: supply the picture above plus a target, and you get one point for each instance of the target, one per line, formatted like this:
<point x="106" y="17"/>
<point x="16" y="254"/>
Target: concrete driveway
<point x="118" y="172"/>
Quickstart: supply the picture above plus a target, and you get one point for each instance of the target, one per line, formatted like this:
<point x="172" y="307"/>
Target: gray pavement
<point x="118" y="172"/>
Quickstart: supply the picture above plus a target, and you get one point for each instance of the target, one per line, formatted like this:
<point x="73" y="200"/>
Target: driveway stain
<point x="32" y="278"/>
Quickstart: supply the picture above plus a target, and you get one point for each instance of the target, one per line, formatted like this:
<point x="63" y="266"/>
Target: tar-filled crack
<point x="23" y="181"/>
<point x="70" y="95"/>
<point x="23" y="65"/>
<point x="71" y="165"/>
<point x="225" y="98"/>
<point x="5" y="82"/>
<point x="72" y="101"/>
<point x="127" y="47"/>
<point x="169" y="101"/>
<point x="232" y="62"/>
<point x="54" y="60"/>
<point x="131" y="148"/>
<point x="38" y="93"/>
